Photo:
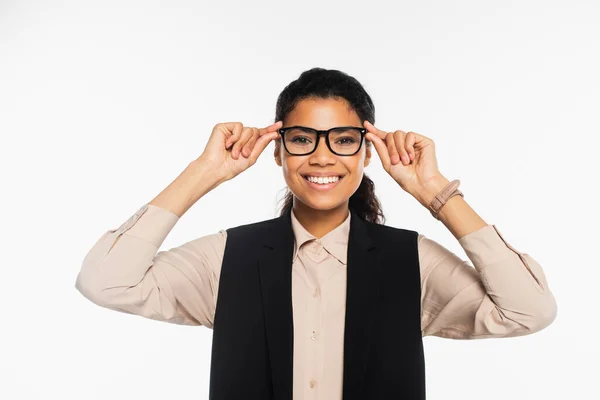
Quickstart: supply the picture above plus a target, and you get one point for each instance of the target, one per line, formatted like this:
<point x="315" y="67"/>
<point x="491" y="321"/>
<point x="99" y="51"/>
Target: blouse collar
<point x="335" y="241"/>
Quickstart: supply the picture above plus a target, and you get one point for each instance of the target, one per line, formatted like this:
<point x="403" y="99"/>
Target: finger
<point x="270" y="128"/>
<point x="409" y="144"/>
<point x="400" y="146"/>
<point x="237" y="147"/>
<point x="381" y="148"/>
<point x="392" y="150"/>
<point x="235" y="130"/>
<point x="261" y="144"/>
<point x="247" y="149"/>
<point x="371" y="128"/>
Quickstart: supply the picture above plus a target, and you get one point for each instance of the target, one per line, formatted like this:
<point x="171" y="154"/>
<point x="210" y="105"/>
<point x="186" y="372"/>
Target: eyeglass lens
<point x="343" y="141"/>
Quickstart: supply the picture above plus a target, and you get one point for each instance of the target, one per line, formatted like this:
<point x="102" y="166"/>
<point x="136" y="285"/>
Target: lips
<point x="339" y="177"/>
<point x="323" y="187"/>
<point x="322" y="175"/>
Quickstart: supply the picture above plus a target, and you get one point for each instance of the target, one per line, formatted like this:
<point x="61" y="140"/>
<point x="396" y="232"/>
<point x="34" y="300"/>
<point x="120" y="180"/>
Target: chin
<point x="322" y="203"/>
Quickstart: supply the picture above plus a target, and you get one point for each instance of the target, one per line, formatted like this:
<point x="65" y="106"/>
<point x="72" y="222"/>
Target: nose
<point x="322" y="155"/>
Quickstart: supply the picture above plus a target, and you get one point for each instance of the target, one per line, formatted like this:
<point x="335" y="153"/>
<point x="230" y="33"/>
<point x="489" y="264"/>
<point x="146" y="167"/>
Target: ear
<point x="368" y="156"/>
<point x="277" y="153"/>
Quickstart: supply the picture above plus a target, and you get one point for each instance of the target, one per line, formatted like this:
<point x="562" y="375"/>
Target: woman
<point x="324" y="301"/>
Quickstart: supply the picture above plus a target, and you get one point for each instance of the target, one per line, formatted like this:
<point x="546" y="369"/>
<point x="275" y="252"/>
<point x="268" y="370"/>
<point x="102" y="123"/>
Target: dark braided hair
<point x="323" y="83"/>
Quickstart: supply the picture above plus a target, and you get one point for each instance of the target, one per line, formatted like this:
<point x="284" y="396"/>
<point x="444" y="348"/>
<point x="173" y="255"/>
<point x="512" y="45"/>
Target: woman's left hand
<point x="419" y="166"/>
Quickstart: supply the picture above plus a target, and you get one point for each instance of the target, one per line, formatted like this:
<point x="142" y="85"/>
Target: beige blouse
<point x="505" y="294"/>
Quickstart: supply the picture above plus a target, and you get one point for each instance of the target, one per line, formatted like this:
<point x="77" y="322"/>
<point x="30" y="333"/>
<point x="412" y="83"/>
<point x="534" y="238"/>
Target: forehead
<point x="322" y="114"/>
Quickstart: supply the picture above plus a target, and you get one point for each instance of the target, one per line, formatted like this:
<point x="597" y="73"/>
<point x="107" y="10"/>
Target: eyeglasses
<point x="341" y="140"/>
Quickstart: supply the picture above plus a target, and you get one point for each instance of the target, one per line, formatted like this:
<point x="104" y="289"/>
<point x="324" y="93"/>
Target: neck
<point x="320" y="222"/>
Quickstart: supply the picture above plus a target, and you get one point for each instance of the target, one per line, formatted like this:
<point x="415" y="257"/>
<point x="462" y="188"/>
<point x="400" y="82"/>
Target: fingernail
<point x="395" y="158"/>
<point x="405" y="159"/>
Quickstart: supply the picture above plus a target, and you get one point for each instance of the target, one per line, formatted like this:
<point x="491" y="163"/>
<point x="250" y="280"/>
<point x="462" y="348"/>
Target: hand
<point x="419" y="167"/>
<point x="232" y="148"/>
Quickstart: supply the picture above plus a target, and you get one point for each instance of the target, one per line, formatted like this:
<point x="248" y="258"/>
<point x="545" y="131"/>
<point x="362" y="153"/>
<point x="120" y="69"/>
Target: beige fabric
<point x="501" y="293"/>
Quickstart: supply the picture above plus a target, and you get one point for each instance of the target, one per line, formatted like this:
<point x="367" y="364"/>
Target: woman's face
<point x="322" y="114"/>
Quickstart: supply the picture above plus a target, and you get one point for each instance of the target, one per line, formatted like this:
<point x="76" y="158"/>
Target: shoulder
<point x="391" y="236"/>
<point x="388" y="230"/>
<point x="264" y="224"/>
<point x="253" y="229"/>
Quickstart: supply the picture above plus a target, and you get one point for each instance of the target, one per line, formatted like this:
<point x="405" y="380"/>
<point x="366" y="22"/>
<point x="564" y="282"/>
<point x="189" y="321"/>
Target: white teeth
<point x="323" y="180"/>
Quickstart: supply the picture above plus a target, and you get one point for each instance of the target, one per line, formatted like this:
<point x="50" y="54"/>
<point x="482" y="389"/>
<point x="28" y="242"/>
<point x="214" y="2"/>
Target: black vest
<point x="252" y="348"/>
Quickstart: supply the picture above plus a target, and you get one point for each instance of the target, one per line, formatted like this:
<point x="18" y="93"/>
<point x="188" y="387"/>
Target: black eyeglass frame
<point x="362" y="131"/>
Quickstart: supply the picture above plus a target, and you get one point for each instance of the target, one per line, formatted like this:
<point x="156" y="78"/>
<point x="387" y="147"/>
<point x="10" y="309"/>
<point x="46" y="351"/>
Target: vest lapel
<point x="361" y="294"/>
<point x="275" y="268"/>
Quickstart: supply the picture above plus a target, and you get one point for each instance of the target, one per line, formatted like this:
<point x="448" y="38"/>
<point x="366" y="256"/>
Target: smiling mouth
<point x="323" y="181"/>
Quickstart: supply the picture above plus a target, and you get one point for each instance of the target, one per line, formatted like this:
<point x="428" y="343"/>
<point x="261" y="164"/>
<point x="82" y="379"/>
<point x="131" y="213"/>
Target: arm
<point x="505" y="294"/>
<point x="456" y="214"/>
<point x="124" y="272"/>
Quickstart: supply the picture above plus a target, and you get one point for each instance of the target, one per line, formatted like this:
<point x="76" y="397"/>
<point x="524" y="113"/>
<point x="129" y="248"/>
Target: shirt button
<point x="316" y="292"/>
<point x="313" y="336"/>
<point x="312" y="383"/>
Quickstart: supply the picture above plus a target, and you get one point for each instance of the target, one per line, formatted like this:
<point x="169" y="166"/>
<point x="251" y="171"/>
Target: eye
<point x="346" y="140"/>
<point x="300" y="139"/>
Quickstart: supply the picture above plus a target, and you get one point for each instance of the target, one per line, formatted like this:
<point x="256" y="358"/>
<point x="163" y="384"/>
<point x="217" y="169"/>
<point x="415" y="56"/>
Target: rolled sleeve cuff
<point x="486" y="246"/>
<point x="150" y="223"/>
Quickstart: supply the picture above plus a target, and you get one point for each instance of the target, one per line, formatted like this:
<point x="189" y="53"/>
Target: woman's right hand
<point x="233" y="148"/>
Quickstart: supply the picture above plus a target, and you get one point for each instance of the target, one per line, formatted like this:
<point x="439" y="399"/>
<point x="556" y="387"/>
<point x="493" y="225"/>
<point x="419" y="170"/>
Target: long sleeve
<point x="503" y="293"/>
<point x="130" y="275"/>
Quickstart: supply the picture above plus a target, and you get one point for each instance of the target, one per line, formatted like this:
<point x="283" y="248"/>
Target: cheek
<point x="356" y="169"/>
<point x="355" y="165"/>
<point x="290" y="166"/>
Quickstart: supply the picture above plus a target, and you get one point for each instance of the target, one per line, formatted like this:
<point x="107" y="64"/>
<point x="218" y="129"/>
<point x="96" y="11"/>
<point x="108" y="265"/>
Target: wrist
<point x="192" y="183"/>
<point x="429" y="189"/>
<point x="204" y="175"/>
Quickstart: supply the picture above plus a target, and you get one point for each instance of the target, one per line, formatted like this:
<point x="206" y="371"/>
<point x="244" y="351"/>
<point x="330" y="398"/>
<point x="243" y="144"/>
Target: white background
<point x="103" y="103"/>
